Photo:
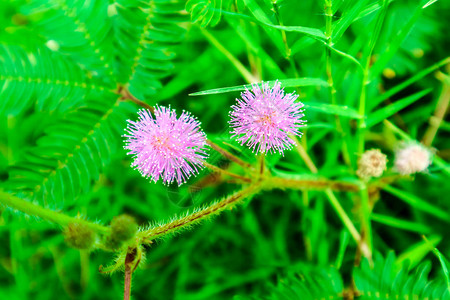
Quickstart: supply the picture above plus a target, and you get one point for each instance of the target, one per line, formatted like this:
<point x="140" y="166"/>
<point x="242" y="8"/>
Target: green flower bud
<point x="79" y="236"/>
<point x="123" y="228"/>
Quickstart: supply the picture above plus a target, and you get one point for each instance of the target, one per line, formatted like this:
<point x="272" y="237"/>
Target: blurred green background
<point x="276" y="234"/>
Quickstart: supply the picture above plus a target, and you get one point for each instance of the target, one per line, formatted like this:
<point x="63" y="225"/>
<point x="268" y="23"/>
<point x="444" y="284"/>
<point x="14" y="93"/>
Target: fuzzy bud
<point x="371" y="164"/>
<point x="123" y="228"/>
<point x="412" y="158"/>
<point x="79" y="236"/>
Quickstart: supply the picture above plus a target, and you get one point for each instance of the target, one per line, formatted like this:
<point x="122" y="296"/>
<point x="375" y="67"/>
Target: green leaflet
<point x="71" y="154"/>
<point x="383" y="278"/>
<point x="89" y="44"/>
<point x="205" y="12"/>
<point x="42" y="78"/>
<point x="145" y="34"/>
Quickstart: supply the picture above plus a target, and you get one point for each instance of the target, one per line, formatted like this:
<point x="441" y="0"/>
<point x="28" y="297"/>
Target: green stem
<point x="225" y="172"/>
<point x="348" y="223"/>
<point x="366" y="228"/>
<point x="329" y="71"/>
<point x="229" y="155"/>
<point x="189" y="219"/>
<point x="311" y="184"/>
<point x="288" y="52"/>
<point x="366" y="58"/>
<point x="236" y="63"/>
<point x="47" y="214"/>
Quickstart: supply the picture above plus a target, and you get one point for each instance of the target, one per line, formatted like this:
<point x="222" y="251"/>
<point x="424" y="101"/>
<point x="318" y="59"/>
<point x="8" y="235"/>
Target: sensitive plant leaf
<point x="389" y="110"/>
<point x="145" y="37"/>
<point x="71" y="155"/>
<point x="89" y="42"/>
<point x="384" y="278"/>
<point x="292" y="82"/>
<point x="43" y="78"/>
<point x="205" y="12"/>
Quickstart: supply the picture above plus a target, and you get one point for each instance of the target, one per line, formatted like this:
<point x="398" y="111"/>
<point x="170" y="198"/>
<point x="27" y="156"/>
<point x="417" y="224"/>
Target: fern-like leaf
<point x="71" y="155"/>
<point x="384" y="281"/>
<point x="318" y="284"/>
<point x="43" y="78"/>
<point x="145" y="34"/>
<point x="381" y="281"/>
<point x="89" y="42"/>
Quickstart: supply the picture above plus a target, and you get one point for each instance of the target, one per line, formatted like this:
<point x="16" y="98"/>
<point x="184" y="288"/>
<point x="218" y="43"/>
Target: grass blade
<point x="400" y="224"/>
<point x="391" y="109"/>
<point x="419" y="203"/>
<point x="291" y="82"/>
<point x="408" y="82"/>
<point x="417" y="252"/>
<point x="331" y="109"/>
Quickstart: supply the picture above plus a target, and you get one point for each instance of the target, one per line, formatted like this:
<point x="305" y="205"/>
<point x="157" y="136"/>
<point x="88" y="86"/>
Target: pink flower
<point x="166" y="147"/>
<point x="265" y="118"/>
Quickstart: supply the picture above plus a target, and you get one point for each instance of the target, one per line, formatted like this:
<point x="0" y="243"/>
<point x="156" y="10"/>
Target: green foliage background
<point x="61" y="120"/>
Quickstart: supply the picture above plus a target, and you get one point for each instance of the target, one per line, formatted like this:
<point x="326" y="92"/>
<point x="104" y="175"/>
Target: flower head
<point x="165" y="146"/>
<point x="265" y="117"/>
<point x="412" y="158"/>
<point x="371" y="164"/>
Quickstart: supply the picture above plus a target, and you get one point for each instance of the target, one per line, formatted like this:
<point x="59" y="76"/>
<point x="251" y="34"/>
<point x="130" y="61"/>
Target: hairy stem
<point x="47" y="214"/>
<point x="312" y="184"/>
<point x="229" y="155"/>
<point x="126" y="95"/>
<point x="225" y="172"/>
<point x="189" y="219"/>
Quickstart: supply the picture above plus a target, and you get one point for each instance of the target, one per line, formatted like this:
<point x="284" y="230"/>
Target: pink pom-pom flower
<point x="165" y="146"/>
<point x="412" y="158"/>
<point x="265" y="118"/>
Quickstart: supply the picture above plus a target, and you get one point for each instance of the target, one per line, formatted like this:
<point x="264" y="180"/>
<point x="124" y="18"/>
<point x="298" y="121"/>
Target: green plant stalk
<point x="236" y="63"/>
<point x="47" y="214"/>
<point x="229" y="155"/>
<point x="284" y="37"/>
<point x="329" y="69"/>
<point x="311" y="184"/>
<point x="84" y="269"/>
<point x="366" y="227"/>
<point x="225" y="172"/>
<point x="348" y="223"/>
<point x="180" y="223"/>
<point x="365" y="77"/>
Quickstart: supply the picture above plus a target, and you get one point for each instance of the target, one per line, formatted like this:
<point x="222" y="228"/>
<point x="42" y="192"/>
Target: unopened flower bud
<point x="371" y="164"/>
<point x="412" y="158"/>
<point x="79" y="235"/>
<point x="123" y="228"/>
